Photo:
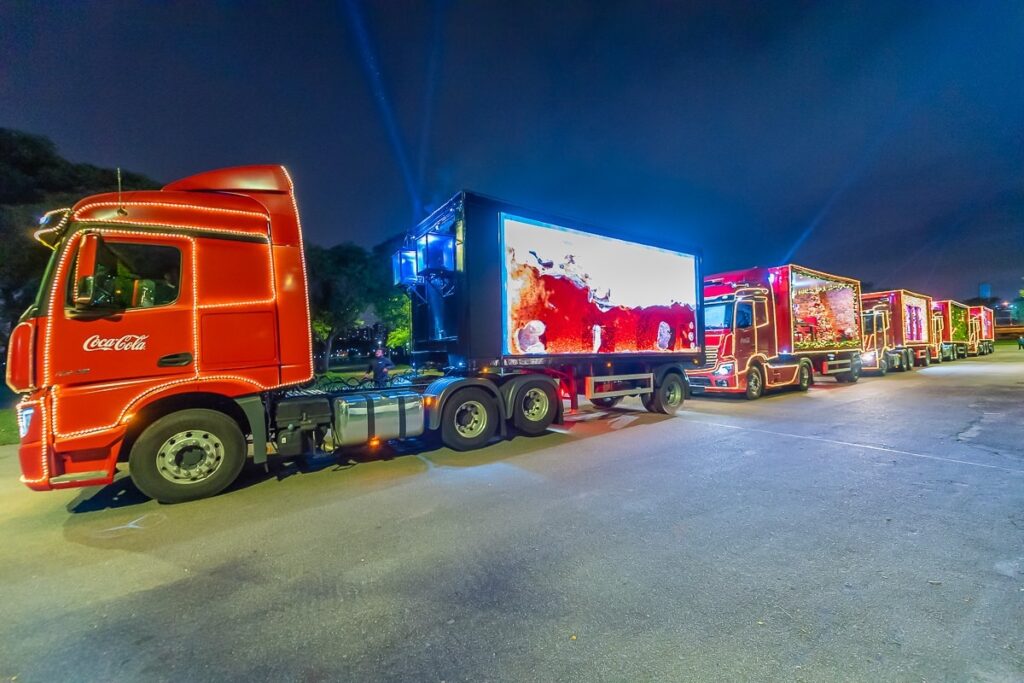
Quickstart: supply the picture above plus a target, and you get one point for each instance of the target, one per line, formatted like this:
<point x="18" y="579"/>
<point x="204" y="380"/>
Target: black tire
<point x="908" y="360"/>
<point x="755" y="382"/>
<point x="667" y="396"/>
<point x="883" y="366"/>
<point x="805" y="377"/>
<point x="607" y="402"/>
<point x="535" y="407"/>
<point x="187" y="455"/>
<point x="926" y="359"/>
<point x="461" y="411"/>
<point x="848" y="377"/>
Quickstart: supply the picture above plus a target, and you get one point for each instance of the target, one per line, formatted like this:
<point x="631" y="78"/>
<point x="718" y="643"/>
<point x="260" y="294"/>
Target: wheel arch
<point x="165" y="405"/>
<point x="445" y="388"/>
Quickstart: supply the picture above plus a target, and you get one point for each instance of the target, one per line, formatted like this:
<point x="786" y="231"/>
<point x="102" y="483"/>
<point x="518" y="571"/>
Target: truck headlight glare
<point x="25" y="420"/>
<point x="724" y="369"/>
<point x="868" y="357"/>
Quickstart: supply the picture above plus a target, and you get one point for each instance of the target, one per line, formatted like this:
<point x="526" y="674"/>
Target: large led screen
<point x="826" y="312"/>
<point x="915" y="318"/>
<point x="571" y="292"/>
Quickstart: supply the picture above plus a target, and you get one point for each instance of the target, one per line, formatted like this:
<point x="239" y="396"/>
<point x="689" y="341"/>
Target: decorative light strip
<point x="177" y="226"/>
<point x="37" y="235"/>
<point x="171" y="205"/>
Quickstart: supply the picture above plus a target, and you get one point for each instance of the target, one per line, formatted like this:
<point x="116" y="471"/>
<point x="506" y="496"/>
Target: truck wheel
<point x="805" y="377"/>
<point x="187" y="455"/>
<point x="926" y="359"/>
<point x="535" y="407"/>
<point x="469" y="420"/>
<point x="908" y="360"/>
<point x="848" y="377"/>
<point x="755" y="383"/>
<point x="607" y="401"/>
<point x="667" y="397"/>
<point x="883" y="365"/>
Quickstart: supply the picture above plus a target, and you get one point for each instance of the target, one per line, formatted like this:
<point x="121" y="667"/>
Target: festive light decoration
<point x="150" y="229"/>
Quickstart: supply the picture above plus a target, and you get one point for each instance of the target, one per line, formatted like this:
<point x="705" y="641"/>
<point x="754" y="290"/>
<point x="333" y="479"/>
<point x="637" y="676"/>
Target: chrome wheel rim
<point x="190" y="456"/>
<point x="673" y="394"/>
<point x="470" y="419"/>
<point x="535" y="404"/>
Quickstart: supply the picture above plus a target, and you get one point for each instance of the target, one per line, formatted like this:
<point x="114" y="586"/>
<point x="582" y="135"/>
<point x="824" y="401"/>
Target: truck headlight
<point x="868" y="357"/>
<point x="724" y="369"/>
<point x="25" y="420"/>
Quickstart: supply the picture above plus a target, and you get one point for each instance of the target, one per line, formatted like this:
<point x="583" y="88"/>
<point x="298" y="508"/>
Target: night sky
<point x="881" y="141"/>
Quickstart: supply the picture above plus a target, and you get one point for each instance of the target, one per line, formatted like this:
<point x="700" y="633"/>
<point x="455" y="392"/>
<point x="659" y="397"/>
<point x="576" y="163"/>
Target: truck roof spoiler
<point x="243" y="179"/>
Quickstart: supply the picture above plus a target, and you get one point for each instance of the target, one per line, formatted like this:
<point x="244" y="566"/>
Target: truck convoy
<point x="769" y="328"/>
<point x="952" y="319"/>
<point x="172" y="330"/>
<point x="982" y="338"/>
<point x="897" y="330"/>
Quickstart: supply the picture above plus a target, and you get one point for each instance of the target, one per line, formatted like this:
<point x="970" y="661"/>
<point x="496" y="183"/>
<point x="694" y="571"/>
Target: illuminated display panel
<point x="826" y="312"/>
<point x="915" y="318"/>
<point x="958" y="323"/>
<point x="571" y="292"/>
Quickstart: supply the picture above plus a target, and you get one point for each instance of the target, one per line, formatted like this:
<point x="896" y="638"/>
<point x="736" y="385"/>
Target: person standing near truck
<point x="1020" y="342"/>
<point x="379" y="367"/>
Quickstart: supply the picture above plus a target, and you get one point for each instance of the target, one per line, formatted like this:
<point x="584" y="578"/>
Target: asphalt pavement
<point x="866" y="532"/>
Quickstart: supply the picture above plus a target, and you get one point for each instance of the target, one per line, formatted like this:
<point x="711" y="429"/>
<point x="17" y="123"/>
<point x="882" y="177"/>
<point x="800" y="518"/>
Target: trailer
<point x="982" y="334"/>
<point x="769" y="328"/>
<point x="897" y="330"/>
<point x="172" y="330"/>
<point x="952" y="320"/>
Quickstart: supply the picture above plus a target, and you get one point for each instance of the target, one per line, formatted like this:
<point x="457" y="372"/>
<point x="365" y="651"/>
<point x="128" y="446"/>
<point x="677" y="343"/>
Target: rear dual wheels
<point x="908" y="360"/>
<point x="470" y="417"/>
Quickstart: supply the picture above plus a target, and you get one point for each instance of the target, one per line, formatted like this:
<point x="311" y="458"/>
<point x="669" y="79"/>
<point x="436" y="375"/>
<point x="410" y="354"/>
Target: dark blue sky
<point x="878" y="140"/>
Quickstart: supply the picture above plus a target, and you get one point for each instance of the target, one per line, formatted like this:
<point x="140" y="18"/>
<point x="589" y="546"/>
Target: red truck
<point x="897" y="330"/>
<point x="172" y="330"/>
<point x="768" y="328"/>
<point x="981" y="338"/>
<point x="952" y="319"/>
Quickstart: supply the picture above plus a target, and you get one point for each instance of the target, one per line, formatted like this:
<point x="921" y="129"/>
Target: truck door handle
<point x="175" y="360"/>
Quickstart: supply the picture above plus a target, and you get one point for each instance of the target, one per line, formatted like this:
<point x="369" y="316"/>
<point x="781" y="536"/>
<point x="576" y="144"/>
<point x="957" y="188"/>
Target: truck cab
<point x="193" y="295"/>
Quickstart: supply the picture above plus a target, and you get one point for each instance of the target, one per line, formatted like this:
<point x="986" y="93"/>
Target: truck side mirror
<point x="85" y="270"/>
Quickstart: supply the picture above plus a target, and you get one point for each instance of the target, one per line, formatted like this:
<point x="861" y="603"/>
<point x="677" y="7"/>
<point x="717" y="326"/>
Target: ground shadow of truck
<point x="416" y="456"/>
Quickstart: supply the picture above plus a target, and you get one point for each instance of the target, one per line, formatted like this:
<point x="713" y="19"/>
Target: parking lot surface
<point x="870" y="532"/>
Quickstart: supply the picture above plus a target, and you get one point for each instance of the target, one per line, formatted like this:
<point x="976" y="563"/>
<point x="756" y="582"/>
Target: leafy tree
<point x="391" y="304"/>
<point x="34" y="179"/>
<point x="340" y="283"/>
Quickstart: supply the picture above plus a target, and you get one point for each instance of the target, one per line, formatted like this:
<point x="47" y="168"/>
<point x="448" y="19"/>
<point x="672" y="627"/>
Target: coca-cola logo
<point x="129" y="342"/>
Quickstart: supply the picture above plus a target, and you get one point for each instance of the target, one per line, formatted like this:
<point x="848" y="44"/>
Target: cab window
<point x="744" y="316"/>
<point x="133" y="275"/>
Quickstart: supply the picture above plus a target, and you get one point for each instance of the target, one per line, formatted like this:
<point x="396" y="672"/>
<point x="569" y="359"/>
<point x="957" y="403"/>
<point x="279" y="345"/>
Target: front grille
<point x="700" y="381"/>
<point x="711" y="354"/>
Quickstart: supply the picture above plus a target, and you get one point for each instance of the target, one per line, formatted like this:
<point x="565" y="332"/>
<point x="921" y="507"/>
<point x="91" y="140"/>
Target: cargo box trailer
<point x="953" y="322"/>
<point x="982" y="335"/>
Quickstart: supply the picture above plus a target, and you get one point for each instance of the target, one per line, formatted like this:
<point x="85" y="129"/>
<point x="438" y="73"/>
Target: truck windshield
<point x="718" y="316"/>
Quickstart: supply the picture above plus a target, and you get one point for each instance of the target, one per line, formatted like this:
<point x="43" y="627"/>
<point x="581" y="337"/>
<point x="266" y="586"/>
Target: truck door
<point x="764" y="334"/>
<point x="746" y="341"/>
<point x="135" y="335"/>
